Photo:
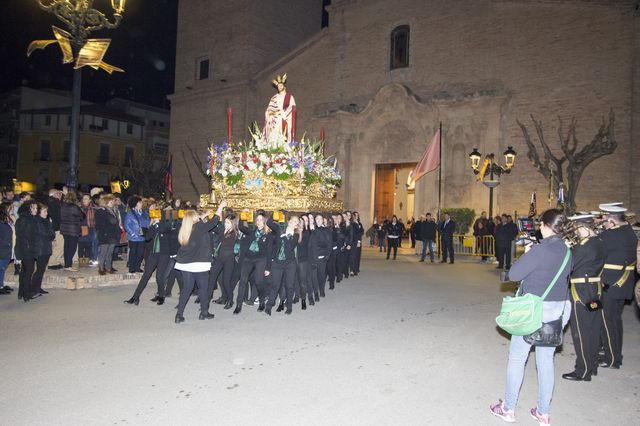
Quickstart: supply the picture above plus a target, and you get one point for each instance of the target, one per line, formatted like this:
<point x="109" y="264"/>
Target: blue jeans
<point x="3" y="267"/>
<point x="425" y="244"/>
<point x="518" y="354"/>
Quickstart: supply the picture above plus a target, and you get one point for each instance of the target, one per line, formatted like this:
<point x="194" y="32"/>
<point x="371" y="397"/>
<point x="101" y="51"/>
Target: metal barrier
<point x="470" y="246"/>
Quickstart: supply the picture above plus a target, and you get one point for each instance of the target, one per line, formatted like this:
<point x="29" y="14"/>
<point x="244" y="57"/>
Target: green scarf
<point x="254" y="247"/>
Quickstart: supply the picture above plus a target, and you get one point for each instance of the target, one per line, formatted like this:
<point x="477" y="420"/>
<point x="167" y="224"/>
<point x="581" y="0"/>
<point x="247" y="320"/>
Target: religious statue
<point x="280" y="115"/>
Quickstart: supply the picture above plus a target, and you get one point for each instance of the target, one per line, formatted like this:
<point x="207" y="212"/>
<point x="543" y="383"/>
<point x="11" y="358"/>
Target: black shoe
<point x="443" y="261"/>
<point x="248" y="302"/>
<point x="41" y="291"/>
<point x="228" y="305"/>
<point x="575" y="378"/>
<point x="267" y="310"/>
<point x="317" y="298"/>
<point x="160" y="301"/>
<point x="296" y="299"/>
<point x="238" y="309"/>
<point x="311" y="302"/>
<point x="304" y="305"/>
<point x="323" y="295"/>
<point x="287" y="312"/>
<point x="204" y="316"/>
<point x="197" y="301"/>
<point x="421" y="260"/>
<point x="155" y="299"/>
<point x="499" y="267"/>
<point x="55" y="267"/>
<point x="451" y="262"/>
<point x="331" y="287"/>
<point x="132" y="301"/>
<point x="280" y="307"/>
<point x="179" y="319"/>
<point x="220" y="301"/>
<point x="6" y="287"/>
<point x="4" y="291"/>
<point x="261" y="307"/>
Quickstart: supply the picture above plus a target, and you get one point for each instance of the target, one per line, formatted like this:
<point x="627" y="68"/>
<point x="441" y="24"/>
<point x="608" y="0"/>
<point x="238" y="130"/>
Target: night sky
<point x="143" y="45"/>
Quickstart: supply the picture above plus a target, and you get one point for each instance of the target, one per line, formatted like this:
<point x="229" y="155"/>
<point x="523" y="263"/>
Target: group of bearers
<point x="590" y="291"/>
<point x="290" y="261"/>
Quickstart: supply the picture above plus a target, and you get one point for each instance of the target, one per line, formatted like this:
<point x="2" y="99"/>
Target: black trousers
<point x="257" y="266"/>
<point x="612" y="329"/>
<point x="27" y="268"/>
<point x="503" y="254"/>
<point x="155" y="262"/>
<point x="225" y="267"/>
<point x="191" y="279"/>
<point x="41" y="267"/>
<point x="282" y="275"/>
<point x="69" y="250"/>
<point x="358" y="257"/>
<point x="332" y="267"/>
<point x="447" y="249"/>
<point x="392" y="243"/>
<point x="353" y="258"/>
<point x="304" y="281"/>
<point x="172" y="275"/>
<point x="342" y="267"/>
<point x="585" y="332"/>
<point x="136" y="254"/>
<point x="319" y="276"/>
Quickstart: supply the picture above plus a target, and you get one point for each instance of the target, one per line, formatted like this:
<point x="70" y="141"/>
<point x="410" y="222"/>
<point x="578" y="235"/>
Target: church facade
<point x="383" y="76"/>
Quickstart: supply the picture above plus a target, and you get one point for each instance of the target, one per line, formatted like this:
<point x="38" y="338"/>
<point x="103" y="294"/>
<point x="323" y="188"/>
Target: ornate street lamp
<point x="492" y="168"/>
<point x="81" y="19"/>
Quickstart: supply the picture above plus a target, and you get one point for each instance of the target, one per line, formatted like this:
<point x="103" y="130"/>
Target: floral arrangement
<point x="274" y="157"/>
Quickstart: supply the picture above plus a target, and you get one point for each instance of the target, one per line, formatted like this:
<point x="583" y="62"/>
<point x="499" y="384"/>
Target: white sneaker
<point x="93" y="263"/>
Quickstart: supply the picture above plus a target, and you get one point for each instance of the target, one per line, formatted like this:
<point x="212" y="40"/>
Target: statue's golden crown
<point x="280" y="80"/>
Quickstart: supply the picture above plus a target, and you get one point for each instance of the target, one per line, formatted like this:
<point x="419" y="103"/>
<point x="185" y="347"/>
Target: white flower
<point x="224" y="173"/>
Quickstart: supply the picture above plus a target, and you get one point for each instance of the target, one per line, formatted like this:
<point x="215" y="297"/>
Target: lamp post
<point x="81" y="19"/>
<point x="494" y="170"/>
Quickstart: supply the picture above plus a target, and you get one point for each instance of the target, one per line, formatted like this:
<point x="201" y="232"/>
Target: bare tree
<point x="571" y="164"/>
<point x="145" y="177"/>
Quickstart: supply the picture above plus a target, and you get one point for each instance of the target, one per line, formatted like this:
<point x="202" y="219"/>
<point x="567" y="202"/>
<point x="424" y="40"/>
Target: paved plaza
<point x="405" y="343"/>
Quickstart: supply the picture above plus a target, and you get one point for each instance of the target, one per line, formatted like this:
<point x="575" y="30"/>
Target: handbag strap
<point x="564" y="264"/>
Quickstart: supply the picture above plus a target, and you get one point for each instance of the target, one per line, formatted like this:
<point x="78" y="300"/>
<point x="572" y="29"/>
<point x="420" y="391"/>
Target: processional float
<point x="273" y="171"/>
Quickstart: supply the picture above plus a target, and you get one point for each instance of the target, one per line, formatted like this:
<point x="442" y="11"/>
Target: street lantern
<point x="509" y="158"/>
<point x="118" y="6"/>
<point x="475" y="158"/>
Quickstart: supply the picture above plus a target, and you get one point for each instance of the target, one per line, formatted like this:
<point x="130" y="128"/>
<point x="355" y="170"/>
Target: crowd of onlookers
<point x="425" y="232"/>
<point x="66" y="230"/>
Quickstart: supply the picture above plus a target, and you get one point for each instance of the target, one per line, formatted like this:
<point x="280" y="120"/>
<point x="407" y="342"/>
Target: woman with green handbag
<point x="543" y="269"/>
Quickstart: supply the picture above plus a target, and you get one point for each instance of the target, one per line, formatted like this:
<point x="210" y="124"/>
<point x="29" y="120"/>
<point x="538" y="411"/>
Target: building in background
<point x="118" y="139"/>
<point x="383" y="75"/>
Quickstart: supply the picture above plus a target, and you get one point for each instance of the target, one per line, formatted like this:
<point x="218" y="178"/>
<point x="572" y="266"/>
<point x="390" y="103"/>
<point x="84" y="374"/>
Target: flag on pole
<point x="430" y="159"/>
<point x="168" y="176"/>
<point x="533" y="207"/>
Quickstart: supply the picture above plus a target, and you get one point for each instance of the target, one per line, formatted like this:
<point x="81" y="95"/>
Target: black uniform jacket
<point x="619" y="269"/>
<point x="588" y="259"/>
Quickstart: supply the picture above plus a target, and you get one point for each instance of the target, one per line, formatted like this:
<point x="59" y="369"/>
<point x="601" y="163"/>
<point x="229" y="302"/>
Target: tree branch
<point x="193" y="184"/>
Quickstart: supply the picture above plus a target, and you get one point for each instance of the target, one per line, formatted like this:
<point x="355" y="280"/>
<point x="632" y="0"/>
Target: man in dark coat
<point x="54" y="203"/>
<point x="447" y="229"/>
<point x="506" y="232"/>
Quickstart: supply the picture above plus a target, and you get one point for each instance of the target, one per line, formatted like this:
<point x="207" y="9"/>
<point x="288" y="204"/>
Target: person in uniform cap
<point x="618" y="277"/>
<point x="589" y="254"/>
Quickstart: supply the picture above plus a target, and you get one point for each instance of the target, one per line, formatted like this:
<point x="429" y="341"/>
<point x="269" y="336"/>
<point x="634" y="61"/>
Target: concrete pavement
<point x="404" y="343"/>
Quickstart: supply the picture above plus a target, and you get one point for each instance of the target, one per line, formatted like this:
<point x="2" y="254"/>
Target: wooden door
<point x="385" y="185"/>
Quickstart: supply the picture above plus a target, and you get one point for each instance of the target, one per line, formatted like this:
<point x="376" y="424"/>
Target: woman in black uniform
<point x="332" y="264"/>
<point x="194" y="259"/>
<point x="306" y="288"/>
<point x="224" y="258"/>
<point x="394" y="233"/>
<point x="348" y="243"/>
<point x="256" y="259"/>
<point x="283" y="266"/>
<point x="358" y="231"/>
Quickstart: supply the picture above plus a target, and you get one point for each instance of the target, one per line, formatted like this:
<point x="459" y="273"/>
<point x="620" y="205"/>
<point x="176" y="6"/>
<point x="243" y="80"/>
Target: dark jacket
<point x="107" y="226"/>
<point x="358" y="231"/>
<point x="26" y="236"/>
<point x="537" y="268"/>
<point x="394" y="230"/>
<point x="284" y="247"/>
<point x="303" y="246"/>
<point x="54" y="212"/>
<point x="265" y="244"/>
<point x="447" y="229"/>
<point x="6" y="240"/>
<point x="416" y="230"/>
<point x="620" y="243"/>
<point x="44" y="236"/>
<point x="506" y="233"/>
<point x="480" y="227"/>
<point x="320" y="244"/>
<point x="428" y="230"/>
<point x="70" y="219"/>
<point x="588" y="259"/>
<point x="198" y="248"/>
<point x="159" y="237"/>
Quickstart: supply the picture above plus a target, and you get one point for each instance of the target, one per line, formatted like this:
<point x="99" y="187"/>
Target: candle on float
<point x="229" y="123"/>
<point x="294" y="114"/>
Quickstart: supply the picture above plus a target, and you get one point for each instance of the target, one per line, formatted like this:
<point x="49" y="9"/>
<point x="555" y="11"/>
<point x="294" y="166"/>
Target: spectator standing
<point x="447" y="229"/>
<point x="428" y="234"/>
<point x="135" y="224"/>
<point x="107" y="233"/>
<point x="506" y="232"/>
<point x="87" y="233"/>
<point x="55" y="203"/>
<point x="6" y="244"/>
<point x="70" y="221"/>
<point x="394" y="235"/>
<point x="25" y="250"/>
<point x="44" y="247"/>
<point x="480" y="231"/>
<point x="416" y="235"/>
<point x="382" y="240"/>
